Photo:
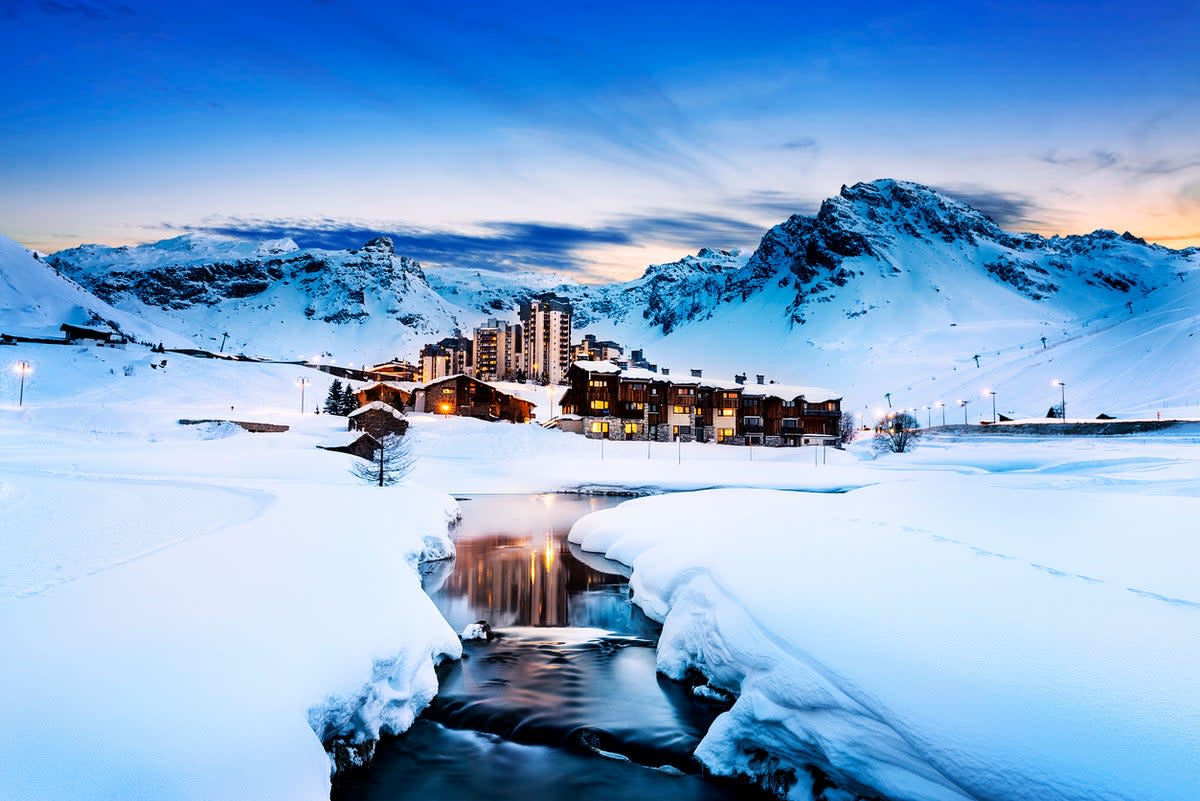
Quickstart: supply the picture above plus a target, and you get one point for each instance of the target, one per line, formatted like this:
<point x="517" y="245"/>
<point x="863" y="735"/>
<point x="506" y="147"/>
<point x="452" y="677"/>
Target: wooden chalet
<point x="396" y="370"/>
<point x="465" y="396"/>
<point x="360" y="444"/>
<point x="618" y="403"/>
<point x="396" y="394"/>
<point x="378" y="419"/>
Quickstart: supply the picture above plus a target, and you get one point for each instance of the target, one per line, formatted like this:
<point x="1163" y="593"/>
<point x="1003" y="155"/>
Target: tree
<point x="847" y="429"/>
<point x="333" y="401"/>
<point x="897" y="433"/>
<point x="390" y="464"/>
<point x="349" y="400"/>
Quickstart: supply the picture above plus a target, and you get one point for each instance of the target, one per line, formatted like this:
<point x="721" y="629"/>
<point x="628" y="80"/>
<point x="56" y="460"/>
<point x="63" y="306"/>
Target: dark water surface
<point x="565" y="703"/>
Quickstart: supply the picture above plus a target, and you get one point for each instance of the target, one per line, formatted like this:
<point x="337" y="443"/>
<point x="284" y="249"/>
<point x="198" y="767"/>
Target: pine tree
<point x="349" y="400"/>
<point x="333" y="401"/>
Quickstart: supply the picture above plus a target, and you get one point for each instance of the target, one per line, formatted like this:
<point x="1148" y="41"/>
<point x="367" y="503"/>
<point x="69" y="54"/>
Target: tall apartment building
<point x="598" y="350"/>
<point x="450" y="356"/>
<point x="498" y="349"/>
<point x="547" y="338"/>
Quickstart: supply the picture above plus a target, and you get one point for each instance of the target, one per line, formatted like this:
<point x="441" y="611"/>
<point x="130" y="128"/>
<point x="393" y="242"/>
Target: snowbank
<point x="188" y="616"/>
<point x="947" y="638"/>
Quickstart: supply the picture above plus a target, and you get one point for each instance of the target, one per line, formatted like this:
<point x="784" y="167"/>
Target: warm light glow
<point x="445" y="408"/>
<point x="548" y="555"/>
<point x="22" y="367"/>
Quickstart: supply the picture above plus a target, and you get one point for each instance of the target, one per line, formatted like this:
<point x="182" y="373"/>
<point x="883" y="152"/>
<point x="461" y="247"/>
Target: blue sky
<point x="588" y="139"/>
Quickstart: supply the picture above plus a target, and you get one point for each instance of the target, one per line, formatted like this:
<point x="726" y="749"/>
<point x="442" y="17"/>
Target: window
<point x="447" y="390"/>
<point x="597" y="382"/>
<point x="724" y="434"/>
<point x="789" y="404"/>
<point x="726" y="412"/>
<point x="791" y="422"/>
<point x="653" y="390"/>
<point x="631" y="428"/>
<point x="635" y="406"/>
<point x="652" y="408"/>
<point x="599" y="427"/>
<point x="754" y="421"/>
<point x="599" y="405"/>
<point x="682" y="409"/>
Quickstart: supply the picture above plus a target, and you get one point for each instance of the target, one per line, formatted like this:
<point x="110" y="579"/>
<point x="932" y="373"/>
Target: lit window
<point x="631" y="428"/>
<point x="597" y="382"/>
<point x="599" y="405"/>
<point x="727" y="412"/>
<point x="599" y="428"/>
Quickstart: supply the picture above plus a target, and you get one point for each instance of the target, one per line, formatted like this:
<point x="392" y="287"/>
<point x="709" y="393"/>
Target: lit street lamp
<point x="964" y="403"/>
<point x="1062" y="409"/>
<point x="302" y="383"/>
<point x="23" y="367"/>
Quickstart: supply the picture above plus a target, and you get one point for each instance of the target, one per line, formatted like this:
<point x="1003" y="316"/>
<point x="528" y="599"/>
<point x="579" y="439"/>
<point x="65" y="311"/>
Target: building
<point x="377" y="419"/>
<point x="546" y="320"/>
<point x="465" y="396"/>
<point x="498" y="351"/>
<point x="634" y="403"/>
<point x="395" y="370"/>
<point x="396" y="394"/>
<point x="596" y="350"/>
<point x="355" y="443"/>
<point x="450" y="356"/>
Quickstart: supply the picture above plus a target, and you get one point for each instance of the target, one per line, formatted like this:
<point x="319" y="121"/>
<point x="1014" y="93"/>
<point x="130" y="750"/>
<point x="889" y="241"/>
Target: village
<point x="591" y="388"/>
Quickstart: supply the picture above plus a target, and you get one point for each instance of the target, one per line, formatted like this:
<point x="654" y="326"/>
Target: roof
<point x="789" y="392"/>
<point x="378" y="406"/>
<point x="402" y="386"/>
<point x="596" y="366"/>
<point x="497" y="389"/>
<point x="346" y="439"/>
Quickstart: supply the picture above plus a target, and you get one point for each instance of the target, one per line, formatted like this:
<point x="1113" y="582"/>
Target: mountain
<point x="892" y="289"/>
<point x="35" y="300"/>
<point x="272" y="298"/>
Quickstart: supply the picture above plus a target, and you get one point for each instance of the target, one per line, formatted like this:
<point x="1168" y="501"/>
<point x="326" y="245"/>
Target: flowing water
<point x="565" y="702"/>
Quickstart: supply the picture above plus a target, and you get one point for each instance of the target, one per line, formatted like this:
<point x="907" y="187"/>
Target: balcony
<point x="752" y="428"/>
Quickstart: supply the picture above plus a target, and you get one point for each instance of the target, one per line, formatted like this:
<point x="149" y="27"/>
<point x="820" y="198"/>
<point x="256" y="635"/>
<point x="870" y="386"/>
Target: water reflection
<point x="515" y="568"/>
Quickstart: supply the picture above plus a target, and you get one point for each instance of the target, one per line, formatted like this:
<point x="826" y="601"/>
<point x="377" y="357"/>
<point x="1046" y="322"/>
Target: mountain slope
<point x="273" y="298"/>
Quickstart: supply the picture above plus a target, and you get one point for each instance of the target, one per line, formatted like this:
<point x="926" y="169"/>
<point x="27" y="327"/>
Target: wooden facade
<point x="639" y="404"/>
<point x="464" y="396"/>
<point x="394" y="394"/>
<point x="378" y="419"/>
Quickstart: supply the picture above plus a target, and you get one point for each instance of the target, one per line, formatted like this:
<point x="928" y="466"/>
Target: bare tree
<point x="847" y="429"/>
<point x="897" y="433"/>
<point x="391" y="463"/>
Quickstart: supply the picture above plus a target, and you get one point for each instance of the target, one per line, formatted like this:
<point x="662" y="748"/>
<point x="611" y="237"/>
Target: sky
<point x="592" y="139"/>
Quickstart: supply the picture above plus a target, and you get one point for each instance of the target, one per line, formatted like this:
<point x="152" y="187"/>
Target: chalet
<point x="378" y="419"/>
<point x="635" y="403"/>
<point x="396" y="394"/>
<point x="74" y="333"/>
<point x="395" y="370"/>
<point x="465" y="396"/>
<point x="360" y="444"/>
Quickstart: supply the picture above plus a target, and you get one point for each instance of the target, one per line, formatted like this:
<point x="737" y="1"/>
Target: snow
<point x="1009" y="619"/>
<point x="182" y="611"/>
<point x="378" y="406"/>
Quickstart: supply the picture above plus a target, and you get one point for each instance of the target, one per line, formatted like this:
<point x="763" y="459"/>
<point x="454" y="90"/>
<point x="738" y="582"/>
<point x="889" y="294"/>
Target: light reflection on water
<point x="515" y="568"/>
<point x="566" y="703"/>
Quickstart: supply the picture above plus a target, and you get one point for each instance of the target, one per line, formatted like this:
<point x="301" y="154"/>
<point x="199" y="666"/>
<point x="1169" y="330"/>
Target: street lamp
<point x="23" y="367"/>
<point x="992" y="392"/>
<point x="1063" y="386"/>
<point x="964" y="403"/>
<point x="302" y="383"/>
<point x="928" y="417"/>
<point x="942" y="406"/>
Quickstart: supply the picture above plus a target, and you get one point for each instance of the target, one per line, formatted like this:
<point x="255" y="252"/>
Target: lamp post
<point x="964" y="403"/>
<point x="1062" y="385"/>
<point x="942" y="406"/>
<point x="992" y="392"/>
<point x="928" y="417"/>
<point x="23" y="367"/>
<point x="302" y="383"/>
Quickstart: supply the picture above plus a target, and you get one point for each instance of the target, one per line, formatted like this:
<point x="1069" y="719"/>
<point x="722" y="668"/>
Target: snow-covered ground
<point x="180" y="607"/>
<point x="989" y="620"/>
<point x="183" y="606"/>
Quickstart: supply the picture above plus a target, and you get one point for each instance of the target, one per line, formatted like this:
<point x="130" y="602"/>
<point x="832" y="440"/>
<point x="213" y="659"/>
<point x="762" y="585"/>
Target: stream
<point x="565" y="703"/>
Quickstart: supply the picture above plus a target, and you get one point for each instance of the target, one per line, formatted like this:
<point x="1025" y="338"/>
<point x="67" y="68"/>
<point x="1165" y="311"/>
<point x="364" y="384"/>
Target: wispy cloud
<point x="1010" y="210"/>
<point x="800" y="143"/>
<point x="1099" y="160"/>
<point x="498" y="246"/>
<point x="776" y="203"/>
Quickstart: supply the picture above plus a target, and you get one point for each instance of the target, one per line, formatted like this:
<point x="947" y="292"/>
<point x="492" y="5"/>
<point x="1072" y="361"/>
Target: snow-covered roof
<point x="378" y="406"/>
<point x="641" y="374"/>
<point x="596" y="366"/>
<point x="476" y="380"/>
<point x="342" y="440"/>
<point x="789" y="392"/>
<point x="403" y="386"/>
